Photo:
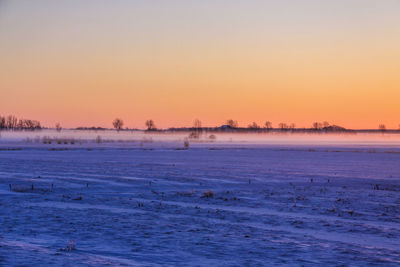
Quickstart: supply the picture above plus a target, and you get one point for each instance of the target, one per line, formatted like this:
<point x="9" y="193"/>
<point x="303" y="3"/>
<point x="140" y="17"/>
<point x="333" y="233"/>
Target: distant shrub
<point x="71" y="246"/>
<point x="29" y="189"/>
<point x="21" y="189"/>
<point x="186" y="144"/>
<point x="58" y="127"/>
<point x="194" y="135"/>
<point x="208" y="194"/>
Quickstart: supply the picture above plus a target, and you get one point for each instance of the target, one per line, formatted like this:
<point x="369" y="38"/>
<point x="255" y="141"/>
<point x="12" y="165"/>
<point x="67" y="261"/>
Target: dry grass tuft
<point x="208" y="194"/>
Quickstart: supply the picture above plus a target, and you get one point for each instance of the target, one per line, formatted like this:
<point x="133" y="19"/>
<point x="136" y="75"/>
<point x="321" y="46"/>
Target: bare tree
<point x="11" y="122"/>
<point x="2" y="122"/>
<point x="118" y="124"/>
<point x="253" y="125"/>
<point x="382" y="127"/>
<point x="197" y="124"/>
<point x="58" y="127"/>
<point x="292" y="126"/>
<point x="317" y="126"/>
<point x="283" y="126"/>
<point x="21" y="124"/>
<point x="231" y="123"/>
<point x="197" y="130"/>
<point x="325" y="124"/>
<point x="30" y="125"/>
<point x="268" y="125"/>
<point x="150" y="125"/>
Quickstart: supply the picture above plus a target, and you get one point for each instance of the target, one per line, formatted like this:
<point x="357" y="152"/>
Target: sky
<point x="84" y="63"/>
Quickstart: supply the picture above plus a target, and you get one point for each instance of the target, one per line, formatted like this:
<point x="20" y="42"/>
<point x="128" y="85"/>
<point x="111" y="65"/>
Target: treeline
<point x="93" y="128"/>
<point x="11" y="122"/>
<point x="233" y="126"/>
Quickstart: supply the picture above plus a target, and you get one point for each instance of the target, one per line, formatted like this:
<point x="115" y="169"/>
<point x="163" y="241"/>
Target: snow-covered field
<point x="134" y="199"/>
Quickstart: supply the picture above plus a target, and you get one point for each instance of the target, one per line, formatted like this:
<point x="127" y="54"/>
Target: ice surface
<point x="137" y="199"/>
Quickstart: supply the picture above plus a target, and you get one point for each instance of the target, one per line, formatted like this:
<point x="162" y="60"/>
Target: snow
<point x="277" y="200"/>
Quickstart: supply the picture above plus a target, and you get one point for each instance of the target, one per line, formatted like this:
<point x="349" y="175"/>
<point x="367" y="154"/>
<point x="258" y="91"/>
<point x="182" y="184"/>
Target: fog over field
<point x="164" y="138"/>
<point x="135" y="198"/>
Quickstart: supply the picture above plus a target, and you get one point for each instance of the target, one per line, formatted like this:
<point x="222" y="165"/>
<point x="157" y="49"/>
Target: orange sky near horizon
<point x="84" y="63"/>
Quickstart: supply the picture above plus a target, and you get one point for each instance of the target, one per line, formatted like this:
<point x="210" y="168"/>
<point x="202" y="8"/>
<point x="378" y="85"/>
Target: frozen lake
<point x="135" y="199"/>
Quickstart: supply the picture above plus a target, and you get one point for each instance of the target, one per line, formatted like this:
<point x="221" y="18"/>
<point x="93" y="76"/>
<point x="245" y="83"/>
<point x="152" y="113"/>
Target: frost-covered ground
<point x="148" y="202"/>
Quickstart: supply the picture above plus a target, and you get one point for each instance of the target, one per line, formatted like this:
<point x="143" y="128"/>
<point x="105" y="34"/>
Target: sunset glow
<point x="298" y="62"/>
